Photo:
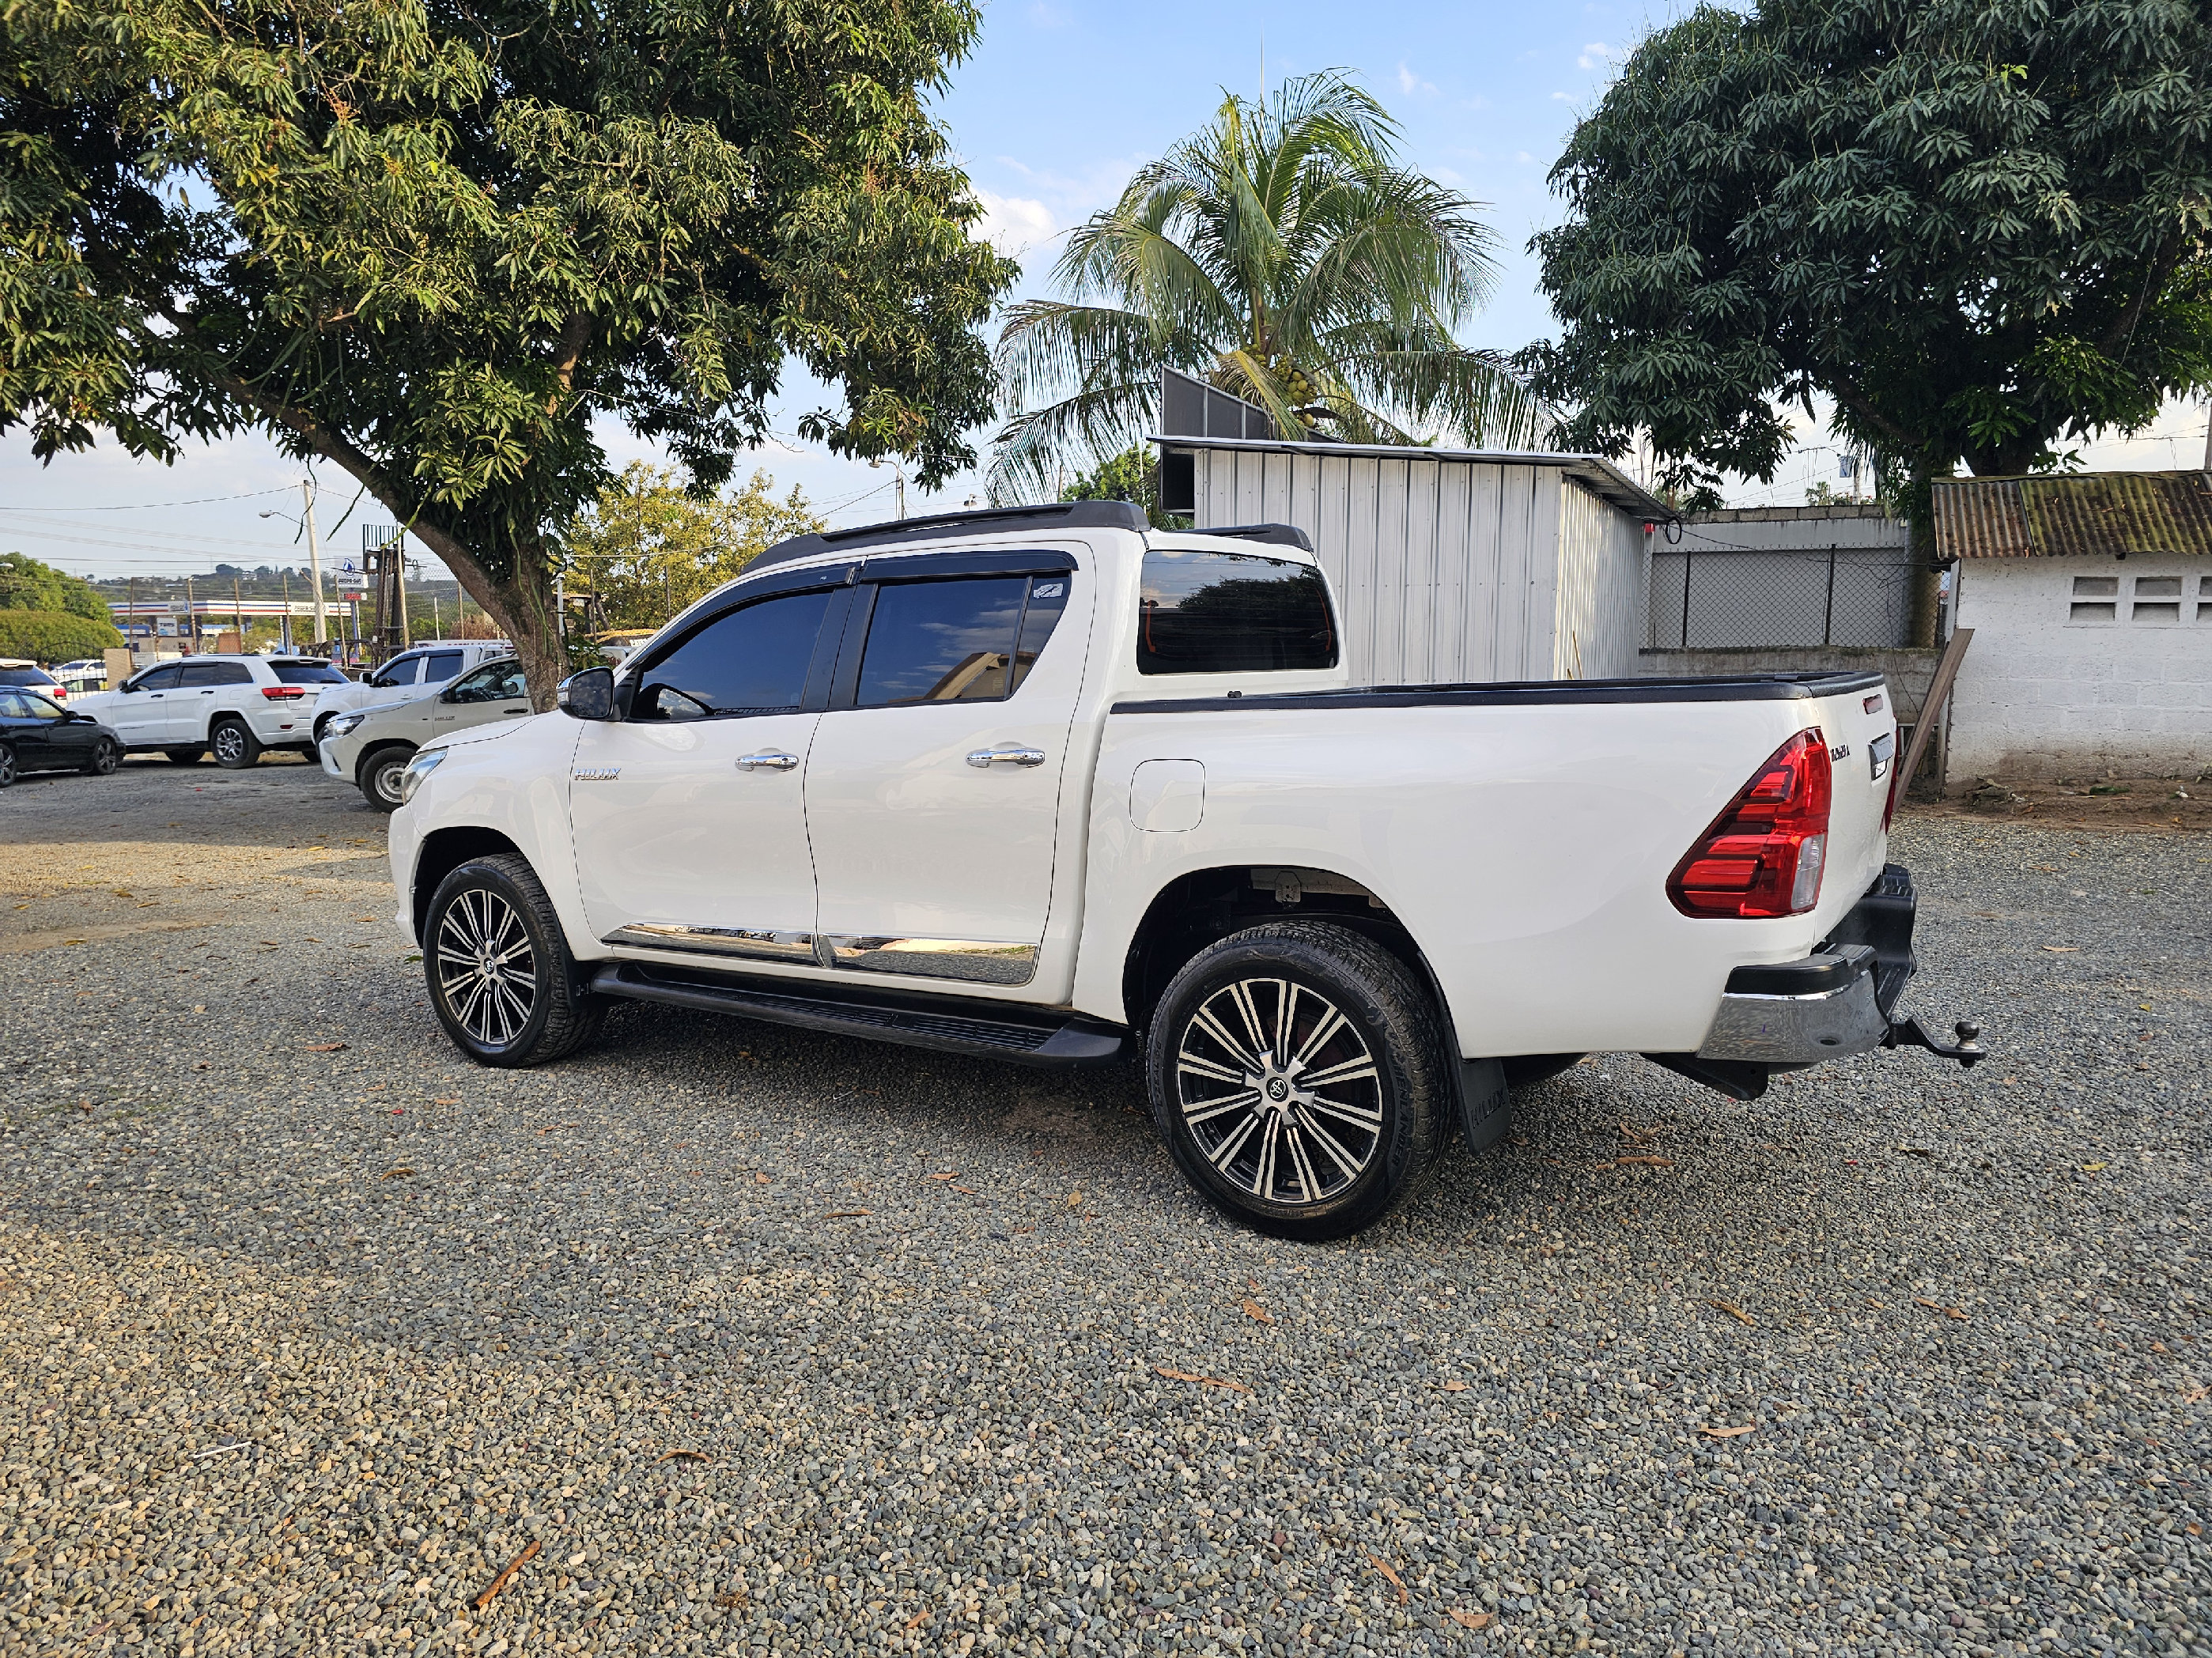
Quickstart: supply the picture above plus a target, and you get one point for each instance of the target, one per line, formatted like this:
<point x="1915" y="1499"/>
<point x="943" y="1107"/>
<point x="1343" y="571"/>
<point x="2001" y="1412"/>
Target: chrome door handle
<point x="1009" y="754"/>
<point x="772" y="760"/>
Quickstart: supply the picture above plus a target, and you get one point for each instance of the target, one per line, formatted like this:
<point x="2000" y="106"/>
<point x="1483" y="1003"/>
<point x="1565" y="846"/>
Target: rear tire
<point x="235" y="746"/>
<point x="106" y="755"/>
<point x="379" y="776"/>
<point x="186" y="756"/>
<point x="500" y="976"/>
<point x="1235" y="1047"/>
<point x="6" y="765"/>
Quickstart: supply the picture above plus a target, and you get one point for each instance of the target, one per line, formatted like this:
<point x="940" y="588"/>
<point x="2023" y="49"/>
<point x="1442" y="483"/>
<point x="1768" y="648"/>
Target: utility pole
<point x="192" y="622"/>
<point x="130" y="614"/>
<point x="285" y="576"/>
<point x="405" y="637"/>
<point x="315" y="562"/>
<point x="238" y="613"/>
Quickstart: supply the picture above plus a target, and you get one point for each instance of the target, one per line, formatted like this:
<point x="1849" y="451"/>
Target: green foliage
<point x="1282" y="254"/>
<point x="1977" y="225"/>
<point x="435" y="246"/>
<point x="27" y="585"/>
<point x="50" y="636"/>
<point x="648" y="548"/>
<point x="1131" y="475"/>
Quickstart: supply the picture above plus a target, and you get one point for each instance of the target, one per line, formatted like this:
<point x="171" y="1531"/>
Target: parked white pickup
<point x="1049" y="786"/>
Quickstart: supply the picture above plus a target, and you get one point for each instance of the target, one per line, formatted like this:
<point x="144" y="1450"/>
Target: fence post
<point x="1828" y="620"/>
<point x="1686" y="597"/>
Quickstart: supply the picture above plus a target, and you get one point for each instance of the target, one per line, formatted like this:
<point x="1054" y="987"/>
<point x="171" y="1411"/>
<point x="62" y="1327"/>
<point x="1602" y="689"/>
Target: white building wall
<point x="2048" y="690"/>
<point x="1604" y="557"/>
<point x="1449" y="570"/>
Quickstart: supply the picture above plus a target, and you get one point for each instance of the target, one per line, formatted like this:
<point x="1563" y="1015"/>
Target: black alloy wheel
<point x="6" y="765"/>
<point x="1297" y="1071"/>
<point x="106" y="755"/>
<point x="500" y="974"/>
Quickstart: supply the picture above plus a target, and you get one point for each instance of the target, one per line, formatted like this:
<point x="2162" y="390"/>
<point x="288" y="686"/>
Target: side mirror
<point x="588" y="695"/>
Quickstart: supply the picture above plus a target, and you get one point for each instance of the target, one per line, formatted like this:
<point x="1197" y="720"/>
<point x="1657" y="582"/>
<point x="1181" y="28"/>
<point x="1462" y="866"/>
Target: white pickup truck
<point x="1046" y="785"/>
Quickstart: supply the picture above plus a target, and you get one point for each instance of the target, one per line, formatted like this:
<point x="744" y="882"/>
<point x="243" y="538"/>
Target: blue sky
<point x="1062" y="99"/>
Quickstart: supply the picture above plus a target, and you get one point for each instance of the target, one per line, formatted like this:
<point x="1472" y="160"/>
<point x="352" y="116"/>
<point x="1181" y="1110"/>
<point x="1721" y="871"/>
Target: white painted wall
<point x="2048" y="690"/>
<point x="1447" y="570"/>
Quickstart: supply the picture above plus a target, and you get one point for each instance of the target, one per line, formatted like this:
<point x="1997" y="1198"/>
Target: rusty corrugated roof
<point x="2074" y="515"/>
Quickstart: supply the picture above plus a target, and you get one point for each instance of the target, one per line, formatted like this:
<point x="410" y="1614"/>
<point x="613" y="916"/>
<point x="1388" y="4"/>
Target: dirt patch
<point x="2171" y="805"/>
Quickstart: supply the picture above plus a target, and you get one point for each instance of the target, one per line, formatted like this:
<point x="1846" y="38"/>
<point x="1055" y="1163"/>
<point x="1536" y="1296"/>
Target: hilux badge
<point x="596" y="774"/>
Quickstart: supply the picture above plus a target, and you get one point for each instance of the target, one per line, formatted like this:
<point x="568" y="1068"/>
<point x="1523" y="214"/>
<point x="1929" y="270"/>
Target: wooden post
<point x="1938" y="689"/>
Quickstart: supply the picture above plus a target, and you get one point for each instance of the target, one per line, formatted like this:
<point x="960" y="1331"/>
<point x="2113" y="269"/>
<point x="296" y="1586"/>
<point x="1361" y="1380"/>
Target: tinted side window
<point x="1232" y="613"/>
<point x="752" y="660"/>
<point x="163" y="678"/>
<point x="200" y="675"/>
<point x="307" y="673"/>
<point x="440" y="666"/>
<point x="495" y="682"/>
<point x="957" y="640"/>
<point x="400" y="671"/>
<point x="11" y="705"/>
<point x="37" y="707"/>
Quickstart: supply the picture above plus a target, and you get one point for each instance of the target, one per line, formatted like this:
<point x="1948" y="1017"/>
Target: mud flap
<point x="1486" y="1110"/>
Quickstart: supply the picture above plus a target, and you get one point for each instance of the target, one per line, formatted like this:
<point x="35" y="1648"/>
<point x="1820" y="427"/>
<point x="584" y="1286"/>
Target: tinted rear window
<point x="307" y="673"/>
<point x="440" y="666"/>
<point x="25" y="677"/>
<point x="1232" y="613"/>
<point x="202" y="674"/>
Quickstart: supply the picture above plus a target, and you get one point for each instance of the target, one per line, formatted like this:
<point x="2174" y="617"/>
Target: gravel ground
<point x="751" y="1342"/>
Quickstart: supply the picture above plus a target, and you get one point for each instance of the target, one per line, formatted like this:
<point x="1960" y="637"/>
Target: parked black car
<point x="36" y="734"/>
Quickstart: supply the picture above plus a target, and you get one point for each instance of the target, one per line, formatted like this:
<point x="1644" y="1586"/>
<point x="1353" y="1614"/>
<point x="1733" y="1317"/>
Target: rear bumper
<point x="1835" y="1001"/>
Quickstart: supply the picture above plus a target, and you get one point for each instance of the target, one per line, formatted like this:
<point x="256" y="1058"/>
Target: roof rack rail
<point x="986" y="520"/>
<point x="1275" y="535"/>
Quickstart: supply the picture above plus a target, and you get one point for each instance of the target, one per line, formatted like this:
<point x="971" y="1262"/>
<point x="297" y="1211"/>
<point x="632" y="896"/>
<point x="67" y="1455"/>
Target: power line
<point x="149" y="506"/>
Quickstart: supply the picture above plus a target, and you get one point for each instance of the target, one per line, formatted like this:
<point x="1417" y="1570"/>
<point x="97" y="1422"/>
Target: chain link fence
<point x="1705" y="599"/>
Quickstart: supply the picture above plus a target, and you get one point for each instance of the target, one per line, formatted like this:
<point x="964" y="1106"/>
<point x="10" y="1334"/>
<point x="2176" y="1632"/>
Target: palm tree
<point x="1281" y="254"/>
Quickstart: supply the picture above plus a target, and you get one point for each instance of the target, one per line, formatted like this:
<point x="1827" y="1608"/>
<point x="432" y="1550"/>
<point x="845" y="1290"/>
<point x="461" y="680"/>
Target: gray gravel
<point x="299" y="1349"/>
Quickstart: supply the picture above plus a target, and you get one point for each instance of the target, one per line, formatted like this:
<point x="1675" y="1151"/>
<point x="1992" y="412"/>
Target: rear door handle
<point x="1008" y="754"/>
<point x="773" y="760"/>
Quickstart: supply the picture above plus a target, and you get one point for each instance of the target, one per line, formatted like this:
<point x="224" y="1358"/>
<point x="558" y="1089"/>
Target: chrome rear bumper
<point x="1800" y="1013"/>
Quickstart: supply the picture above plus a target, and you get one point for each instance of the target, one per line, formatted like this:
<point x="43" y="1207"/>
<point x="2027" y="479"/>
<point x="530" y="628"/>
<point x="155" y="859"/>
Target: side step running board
<point x="1053" y="1039"/>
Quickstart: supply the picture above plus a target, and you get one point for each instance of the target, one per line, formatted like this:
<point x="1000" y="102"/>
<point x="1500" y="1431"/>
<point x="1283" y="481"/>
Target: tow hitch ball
<point x="1968" y="1052"/>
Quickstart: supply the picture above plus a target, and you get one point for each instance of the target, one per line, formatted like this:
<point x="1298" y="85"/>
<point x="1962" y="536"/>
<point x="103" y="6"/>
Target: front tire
<point x="379" y="777"/>
<point x="500" y="976"/>
<point x="106" y="755"/>
<point x="1297" y="1071"/>
<point x="7" y="766"/>
<point x="235" y="747"/>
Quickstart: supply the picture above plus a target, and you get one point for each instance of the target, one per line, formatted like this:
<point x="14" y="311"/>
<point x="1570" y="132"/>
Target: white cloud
<point x="1014" y="224"/>
<point x="1563" y="97"/>
<point x="1444" y="175"/>
<point x="1411" y="84"/>
<point x="1596" y="55"/>
<point x="1047" y="15"/>
<point x="1523" y="156"/>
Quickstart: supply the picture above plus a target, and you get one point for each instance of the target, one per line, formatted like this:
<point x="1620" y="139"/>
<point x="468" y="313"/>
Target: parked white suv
<point x="416" y="671"/>
<point x="236" y="706"/>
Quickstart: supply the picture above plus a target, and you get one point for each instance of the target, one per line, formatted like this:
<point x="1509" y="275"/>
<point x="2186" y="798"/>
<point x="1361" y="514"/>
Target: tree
<point x="27" y="585"/>
<point x="434" y="244"/>
<point x="1979" y="226"/>
<point x="648" y="548"/>
<point x="1282" y="255"/>
<point x="52" y="636"/>
<point x="1132" y="476"/>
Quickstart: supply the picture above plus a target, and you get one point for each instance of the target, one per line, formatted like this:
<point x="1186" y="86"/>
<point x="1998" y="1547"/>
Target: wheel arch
<point x="442" y="852"/>
<point x="1197" y="908"/>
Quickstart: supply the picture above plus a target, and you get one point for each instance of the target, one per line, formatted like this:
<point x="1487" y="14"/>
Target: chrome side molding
<point x="978" y="960"/>
<point x="758" y="943"/>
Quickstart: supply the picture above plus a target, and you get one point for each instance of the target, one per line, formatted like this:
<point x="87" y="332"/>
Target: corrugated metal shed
<point x="1449" y="564"/>
<point x="2085" y="515"/>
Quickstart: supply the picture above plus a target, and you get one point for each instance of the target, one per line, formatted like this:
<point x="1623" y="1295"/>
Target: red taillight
<point x="1763" y="855"/>
<point x="60" y="693"/>
<point x="283" y="693"/>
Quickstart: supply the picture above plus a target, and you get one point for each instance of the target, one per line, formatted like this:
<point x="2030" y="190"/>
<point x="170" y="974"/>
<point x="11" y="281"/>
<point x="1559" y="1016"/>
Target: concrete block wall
<point x="2079" y="666"/>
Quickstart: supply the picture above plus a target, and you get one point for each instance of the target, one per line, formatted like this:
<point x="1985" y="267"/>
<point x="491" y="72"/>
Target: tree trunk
<point x="524" y="607"/>
<point x="1927" y="582"/>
